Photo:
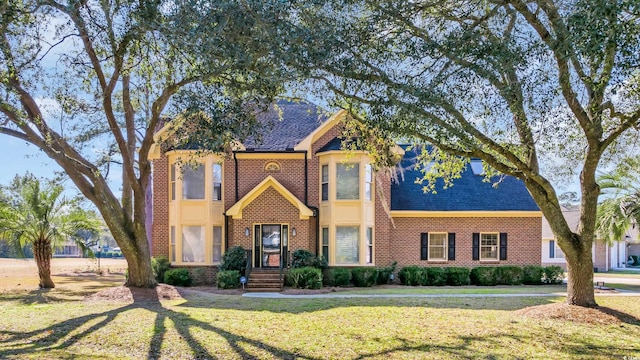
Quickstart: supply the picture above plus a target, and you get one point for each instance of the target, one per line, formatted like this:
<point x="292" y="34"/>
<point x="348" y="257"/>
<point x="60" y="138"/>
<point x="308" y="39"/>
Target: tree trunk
<point x="42" y="255"/>
<point x="580" y="267"/>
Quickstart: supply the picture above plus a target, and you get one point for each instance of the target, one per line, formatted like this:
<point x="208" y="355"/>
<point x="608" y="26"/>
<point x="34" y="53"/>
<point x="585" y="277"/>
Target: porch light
<point x="246" y="231"/>
<point x="293" y="232"/>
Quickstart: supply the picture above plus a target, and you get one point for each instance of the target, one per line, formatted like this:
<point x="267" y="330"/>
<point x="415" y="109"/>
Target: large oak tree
<point x="89" y="83"/>
<point x="515" y="83"/>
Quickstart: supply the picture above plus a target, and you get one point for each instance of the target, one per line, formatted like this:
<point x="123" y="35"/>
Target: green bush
<point x="364" y="276"/>
<point x="436" y="276"/>
<point x="337" y="277"/>
<point x="413" y="275"/>
<point x="384" y="273"/>
<point x="532" y="275"/>
<point x="228" y="279"/>
<point x="178" y="277"/>
<point x="483" y="276"/>
<point x="303" y="258"/>
<point x="305" y="278"/>
<point x="160" y="265"/>
<point x="509" y="275"/>
<point x="234" y="259"/>
<point x="457" y="276"/>
<point x="553" y="275"/>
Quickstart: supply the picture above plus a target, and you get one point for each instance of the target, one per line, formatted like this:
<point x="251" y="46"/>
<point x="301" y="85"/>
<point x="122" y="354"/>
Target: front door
<point x="269" y="241"/>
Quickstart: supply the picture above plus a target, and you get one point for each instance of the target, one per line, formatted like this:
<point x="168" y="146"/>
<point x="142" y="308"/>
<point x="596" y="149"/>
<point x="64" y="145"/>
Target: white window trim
<point x="444" y="246"/>
<point x="497" y="258"/>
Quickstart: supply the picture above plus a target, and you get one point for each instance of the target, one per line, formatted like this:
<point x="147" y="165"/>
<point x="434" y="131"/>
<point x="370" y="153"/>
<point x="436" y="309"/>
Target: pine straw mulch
<point x="161" y="292"/>
<point x="563" y="311"/>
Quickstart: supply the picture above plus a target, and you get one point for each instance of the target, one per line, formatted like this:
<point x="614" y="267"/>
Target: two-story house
<point x="296" y="189"/>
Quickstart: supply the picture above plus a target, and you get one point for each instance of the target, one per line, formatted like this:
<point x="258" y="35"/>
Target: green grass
<point x="232" y="327"/>
<point x="627" y="287"/>
<point x="525" y="289"/>
<point x="620" y="274"/>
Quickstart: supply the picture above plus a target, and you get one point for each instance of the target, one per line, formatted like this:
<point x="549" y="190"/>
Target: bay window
<point x="193" y="240"/>
<point x="193" y="183"/>
<point x="348" y="181"/>
<point x="347" y="245"/>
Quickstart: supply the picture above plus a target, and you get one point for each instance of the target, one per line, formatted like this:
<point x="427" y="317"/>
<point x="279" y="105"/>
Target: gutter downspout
<point x="306" y="179"/>
<point x="226" y="232"/>
<point x="235" y="160"/>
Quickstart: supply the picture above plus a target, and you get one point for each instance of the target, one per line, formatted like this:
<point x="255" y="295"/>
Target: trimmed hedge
<point x="384" y="273"/>
<point x="413" y="275"/>
<point x="436" y="276"/>
<point x="303" y="258"/>
<point x="337" y="277"/>
<point x="228" y="279"/>
<point x="305" y="278"/>
<point x="553" y="274"/>
<point x="509" y="275"/>
<point x="483" y="276"/>
<point x="178" y="277"/>
<point x="364" y="276"/>
<point x="532" y="275"/>
<point x="457" y="276"/>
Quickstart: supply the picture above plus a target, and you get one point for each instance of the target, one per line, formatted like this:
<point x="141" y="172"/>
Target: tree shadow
<point x="59" y="335"/>
<point x="622" y="316"/>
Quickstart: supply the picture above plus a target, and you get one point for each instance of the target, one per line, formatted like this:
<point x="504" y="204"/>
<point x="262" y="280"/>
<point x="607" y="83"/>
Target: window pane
<point x="217" y="244"/>
<point x="348" y="181"/>
<point x="437" y="246"/>
<point x="347" y="244"/>
<point x="325" y="243"/>
<point x="217" y="182"/>
<point x="559" y="252"/>
<point x="193" y="244"/>
<point x="325" y="182"/>
<point x="489" y="246"/>
<point x="172" y="245"/>
<point x="193" y="183"/>
<point x="369" y="255"/>
<point x="173" y="181"/>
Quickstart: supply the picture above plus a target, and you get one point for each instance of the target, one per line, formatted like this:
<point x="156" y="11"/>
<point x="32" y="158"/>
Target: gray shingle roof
<point x="469" y="193"/>
<point x="285" y="126"/>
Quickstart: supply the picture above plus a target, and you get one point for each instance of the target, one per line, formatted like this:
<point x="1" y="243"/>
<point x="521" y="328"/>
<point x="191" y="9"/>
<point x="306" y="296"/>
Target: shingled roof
<point x="286" y="124"/>
<point x="469" y="193"/>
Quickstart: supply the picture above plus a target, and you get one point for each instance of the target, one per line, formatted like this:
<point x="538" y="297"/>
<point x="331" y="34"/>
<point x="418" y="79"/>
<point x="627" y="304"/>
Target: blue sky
<point x="18" y="158"/>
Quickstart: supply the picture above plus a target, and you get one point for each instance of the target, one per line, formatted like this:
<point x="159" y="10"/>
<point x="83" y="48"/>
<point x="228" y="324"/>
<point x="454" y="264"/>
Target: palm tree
<point x="621" y="207"/>
<point x="43" y="219"/>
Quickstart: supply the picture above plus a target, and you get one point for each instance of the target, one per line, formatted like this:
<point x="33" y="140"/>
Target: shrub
<point x="228" y="279"/>
<point x="484" y="276"/>
<point x="413" y="275"/>
<point x="384" y="273"/>
<point x="303" y="258"/>
<point x="436" y="276"/>
<point x="234" y="259"/>
<point x="179" y="277"/>
<point x="364" y="276"/>
<point x="457" y="276"/>
<point x="305" y="278"/>
<point x="337" y="277"/>
<point x="160" y="265"/>
<point x="553" y="275"/>
<point x="509" y="275"/>
<point x="532" y="275"/>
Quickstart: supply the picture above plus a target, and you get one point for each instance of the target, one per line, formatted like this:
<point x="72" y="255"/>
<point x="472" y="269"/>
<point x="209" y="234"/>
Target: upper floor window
<point x="348" y="181"/>
<point x="217" y="182"/>
<point x="325" y="182"/>
<point x="193" y="182"/>
<point x="173" y="181"/>
<point x="368" y="180"/>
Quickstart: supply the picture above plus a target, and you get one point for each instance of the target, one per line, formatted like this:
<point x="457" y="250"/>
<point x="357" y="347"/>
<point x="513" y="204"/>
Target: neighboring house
<point x="605" y="256"/>
<point x="68" y="249"/>
<point x="298" y="190"/>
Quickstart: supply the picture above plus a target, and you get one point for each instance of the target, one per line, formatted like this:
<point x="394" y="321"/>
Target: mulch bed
<point x="563" y="311"/>
<point x="126" y="294"/>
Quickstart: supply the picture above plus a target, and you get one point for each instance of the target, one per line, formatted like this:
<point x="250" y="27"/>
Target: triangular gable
<point x="306" y="143"/>
<point x="236" y="210"/>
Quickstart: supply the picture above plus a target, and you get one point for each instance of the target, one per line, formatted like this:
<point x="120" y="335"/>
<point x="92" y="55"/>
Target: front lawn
<point x="232" y="327"/>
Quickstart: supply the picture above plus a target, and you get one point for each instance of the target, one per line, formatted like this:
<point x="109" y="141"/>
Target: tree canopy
<point x="513" y="83"/>
<point x="90" y="82"/>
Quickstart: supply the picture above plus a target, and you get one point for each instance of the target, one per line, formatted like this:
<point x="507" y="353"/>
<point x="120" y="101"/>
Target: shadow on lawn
<point x="62" y="335"/>
<point x="58" y="336"/>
